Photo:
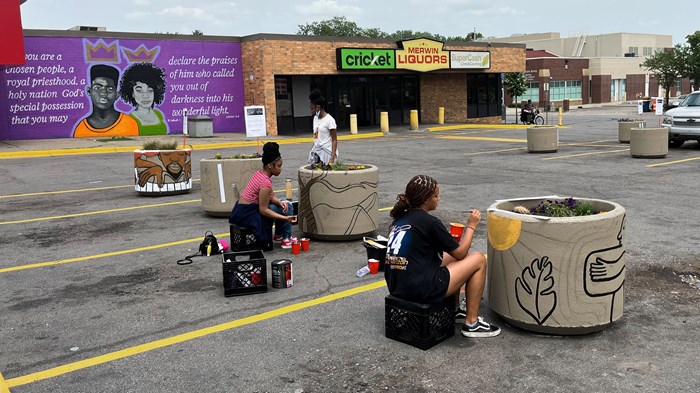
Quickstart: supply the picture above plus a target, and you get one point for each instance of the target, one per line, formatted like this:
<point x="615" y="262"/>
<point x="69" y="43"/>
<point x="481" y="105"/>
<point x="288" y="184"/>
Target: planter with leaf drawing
<point x="338" y="204"/>
<point x="160" y="168"/>
<point x="558" y="275"/>
<point x="223" y="179"/>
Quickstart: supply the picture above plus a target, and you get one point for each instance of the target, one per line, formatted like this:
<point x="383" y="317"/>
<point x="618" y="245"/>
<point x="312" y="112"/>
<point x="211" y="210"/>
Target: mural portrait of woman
<point x="143" y="86"/>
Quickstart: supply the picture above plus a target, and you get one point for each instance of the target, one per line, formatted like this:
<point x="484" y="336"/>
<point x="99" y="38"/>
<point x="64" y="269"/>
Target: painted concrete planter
<point x="338" y="205"/>
<point x="543" y="139"/>
<point x="556" y="275"/>
<point x="624" y="127"/>
<point x="222" y="182"/>
<point x="162" y="172"/>
<point x="649" y="142"/>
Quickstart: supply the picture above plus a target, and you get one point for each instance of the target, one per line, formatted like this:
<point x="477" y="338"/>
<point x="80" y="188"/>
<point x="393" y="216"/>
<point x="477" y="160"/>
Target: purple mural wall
<point x="68" y="87"/>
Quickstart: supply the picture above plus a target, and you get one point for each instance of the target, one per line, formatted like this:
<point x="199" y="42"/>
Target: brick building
<point x="281" y="70"/>
<point x="592" y="69"/>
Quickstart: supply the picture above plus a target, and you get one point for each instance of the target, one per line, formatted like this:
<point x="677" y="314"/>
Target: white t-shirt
<point x="322" y="131"/>
<point x="323" y="142"/>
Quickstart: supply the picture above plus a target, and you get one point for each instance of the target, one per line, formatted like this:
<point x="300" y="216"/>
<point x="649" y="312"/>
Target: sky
<point x="494" y="18"/>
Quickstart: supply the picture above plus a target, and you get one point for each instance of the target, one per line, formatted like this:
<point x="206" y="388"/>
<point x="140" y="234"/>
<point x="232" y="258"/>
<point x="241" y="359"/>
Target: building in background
<point x="592" y="69"/>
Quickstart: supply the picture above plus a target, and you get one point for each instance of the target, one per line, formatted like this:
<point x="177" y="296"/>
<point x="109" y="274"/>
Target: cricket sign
<point x="467" y="59"/>
<point x="365" y="59"/>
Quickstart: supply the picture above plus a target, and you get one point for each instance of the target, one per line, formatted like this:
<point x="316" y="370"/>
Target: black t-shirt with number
<point x="416" y="243"/>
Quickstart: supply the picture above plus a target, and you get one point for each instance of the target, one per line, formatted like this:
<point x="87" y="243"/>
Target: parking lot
<point x="93" y="301"/>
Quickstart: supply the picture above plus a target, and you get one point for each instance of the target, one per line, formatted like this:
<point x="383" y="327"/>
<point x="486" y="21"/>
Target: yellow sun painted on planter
<point x="503" y="232"/>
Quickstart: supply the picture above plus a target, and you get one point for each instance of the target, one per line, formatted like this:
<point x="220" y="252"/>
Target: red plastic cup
<point x="456" y="230"/>
<point x="305" y="244"/>
<point x="296" y="248"/>
<point x="373" y="265"/>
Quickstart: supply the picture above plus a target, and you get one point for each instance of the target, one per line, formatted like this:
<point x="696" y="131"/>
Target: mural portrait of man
<point x="104" y="120"/>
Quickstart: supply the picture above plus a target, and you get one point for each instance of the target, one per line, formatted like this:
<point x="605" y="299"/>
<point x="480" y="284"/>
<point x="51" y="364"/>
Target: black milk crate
<point x="417" y="324"/>
<point x="245" y="272"/>
<point x="243" y="239"/>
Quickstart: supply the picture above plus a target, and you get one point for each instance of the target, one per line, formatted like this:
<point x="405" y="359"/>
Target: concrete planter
<point x="222" y="182"/>
<point x="543" y="139"/>
<point x="624" y="127"/>
<point x="556" y="275"/>
<point x="162" y="172"/>
<point x="649" y="142"/>
<point x="338" y="205"/>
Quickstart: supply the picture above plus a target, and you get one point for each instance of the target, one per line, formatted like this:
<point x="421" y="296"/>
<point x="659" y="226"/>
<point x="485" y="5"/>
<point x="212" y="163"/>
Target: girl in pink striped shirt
<point x="258" y="205"/>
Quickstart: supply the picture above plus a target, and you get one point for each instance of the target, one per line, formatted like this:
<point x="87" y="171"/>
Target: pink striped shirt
<point x="252" y="189"/>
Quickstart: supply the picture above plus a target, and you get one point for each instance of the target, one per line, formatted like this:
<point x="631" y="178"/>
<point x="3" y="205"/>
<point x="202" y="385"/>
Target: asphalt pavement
<point x="93" y="300"/>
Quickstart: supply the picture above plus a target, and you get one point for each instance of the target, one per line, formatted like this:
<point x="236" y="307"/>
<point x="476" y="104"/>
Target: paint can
<point x="282" y="275"/>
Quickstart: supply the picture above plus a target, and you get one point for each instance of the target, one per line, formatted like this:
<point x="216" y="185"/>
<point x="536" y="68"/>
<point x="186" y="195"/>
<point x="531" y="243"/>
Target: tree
<point x="338" y="26"/>
<point x="692" y="59"/>
<point x="667" y="66"/>
<point x="515" y="86"/>
<point x="197" y="32"/>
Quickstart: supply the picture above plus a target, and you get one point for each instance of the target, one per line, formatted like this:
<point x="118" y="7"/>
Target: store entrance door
<point x="352" y="97"/>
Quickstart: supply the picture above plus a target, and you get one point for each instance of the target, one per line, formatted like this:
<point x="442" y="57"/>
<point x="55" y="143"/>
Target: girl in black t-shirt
<point x="426" y="264"/>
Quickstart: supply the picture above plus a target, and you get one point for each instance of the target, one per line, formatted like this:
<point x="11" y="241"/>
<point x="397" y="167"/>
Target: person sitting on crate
<point x="425" y="264"/>
<point x="258" y="206"/>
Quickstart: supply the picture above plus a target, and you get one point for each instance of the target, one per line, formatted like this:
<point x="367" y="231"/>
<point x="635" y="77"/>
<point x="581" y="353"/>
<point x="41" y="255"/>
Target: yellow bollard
<point x="414" y="119"/>
<point x="561" y="116"/>
<point x="353" y="123"/>
<point x="384" y="122"/>
<point x="441" y="115"/>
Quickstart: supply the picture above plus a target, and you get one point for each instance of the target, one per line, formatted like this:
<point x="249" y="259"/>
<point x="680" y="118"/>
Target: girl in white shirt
<point x="325" y="148"/>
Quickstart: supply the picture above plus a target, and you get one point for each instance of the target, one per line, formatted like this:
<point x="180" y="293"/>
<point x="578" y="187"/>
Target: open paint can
<point x="282" y="275"/>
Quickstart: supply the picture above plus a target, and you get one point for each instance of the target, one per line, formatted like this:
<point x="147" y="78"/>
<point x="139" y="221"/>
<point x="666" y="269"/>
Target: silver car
<point x="675" y="101"/>
<point x="683" y="121"/>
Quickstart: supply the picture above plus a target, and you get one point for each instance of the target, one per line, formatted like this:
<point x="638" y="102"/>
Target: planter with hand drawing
<point x="558" y="275"/>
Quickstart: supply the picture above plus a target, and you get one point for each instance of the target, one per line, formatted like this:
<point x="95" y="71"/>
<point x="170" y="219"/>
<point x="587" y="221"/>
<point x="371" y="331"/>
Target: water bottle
<point x="363" y="271"/>
<point x="288" y="189"/>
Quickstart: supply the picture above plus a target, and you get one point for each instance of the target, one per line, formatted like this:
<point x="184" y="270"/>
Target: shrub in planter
<point x="160" y="168"/>
<point x="556" y="265"/>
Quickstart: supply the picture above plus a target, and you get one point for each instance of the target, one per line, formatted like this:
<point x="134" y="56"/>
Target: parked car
<point x="683" y="121"/>
<point x="675" y="101"/>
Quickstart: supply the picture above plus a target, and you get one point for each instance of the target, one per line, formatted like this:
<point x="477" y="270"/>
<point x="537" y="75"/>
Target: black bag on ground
<point x="208" y="246"/>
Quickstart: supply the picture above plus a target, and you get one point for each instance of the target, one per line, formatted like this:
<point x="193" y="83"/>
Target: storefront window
<point x="560" y="90"/>
<point x="532" y="92"/>
<point x="483" y="95"/>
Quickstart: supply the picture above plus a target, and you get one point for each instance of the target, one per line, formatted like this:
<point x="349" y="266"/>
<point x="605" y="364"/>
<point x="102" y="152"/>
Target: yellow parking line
<point x="180" y="338"/>
<point x="482" y="138"/>
<point x="673" y="162"/>
<point x="121" y="209"/>
<point x="494" y="151"/>
<point x="130" y="149"/>
<point x="69" y="191"/>
<point x="105" y="255"/>
<point x="4" y="388"/>
<point x="114" y="253"/>
<point x="585" y="154"/>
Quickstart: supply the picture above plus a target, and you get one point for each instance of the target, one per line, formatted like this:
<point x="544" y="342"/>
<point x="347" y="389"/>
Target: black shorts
<point x="434" y="290"/>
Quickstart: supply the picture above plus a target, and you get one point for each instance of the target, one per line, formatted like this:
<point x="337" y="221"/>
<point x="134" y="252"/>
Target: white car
<point x="683" y="121"/>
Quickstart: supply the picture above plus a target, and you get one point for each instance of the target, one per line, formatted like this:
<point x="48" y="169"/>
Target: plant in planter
<point x="556" y="265"/>
<point x="161" y="168"/>
<point x="338" y="203"/>
<point x="223" y="178"/>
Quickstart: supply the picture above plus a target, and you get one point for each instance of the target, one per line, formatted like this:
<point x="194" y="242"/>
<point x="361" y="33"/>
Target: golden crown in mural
<point x="101" y="51"/>
<point x="141" y="54"/>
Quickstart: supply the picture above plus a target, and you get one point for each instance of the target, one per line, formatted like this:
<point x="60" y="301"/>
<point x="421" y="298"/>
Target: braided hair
<point x="418" y="190"/>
